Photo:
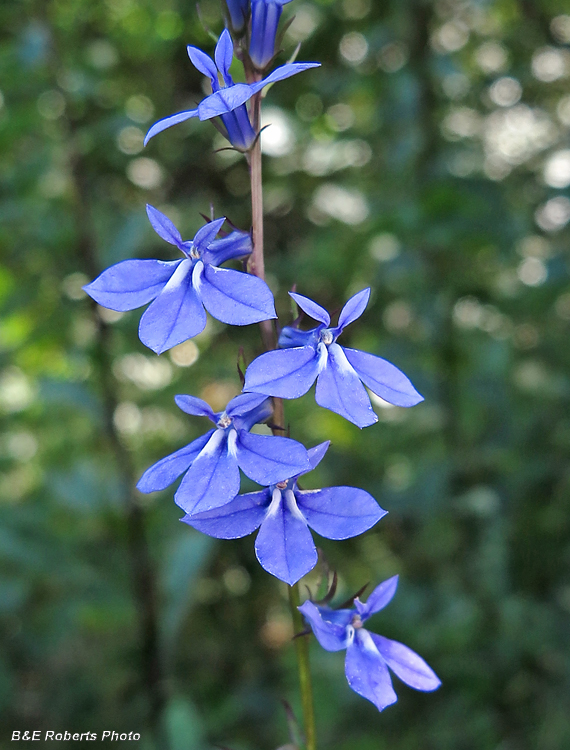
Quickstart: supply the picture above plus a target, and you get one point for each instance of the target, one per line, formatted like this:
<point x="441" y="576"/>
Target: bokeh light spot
<point x="554" y="214"/>
<point x="278" y="138"/>
<point x="353" y="47"/>
<point x="557" y="169"/>
<point x="505" y="91"/>
<point x="549" y="64"/>
<point x="532" y="272"/>
<point x="145" y="173"/>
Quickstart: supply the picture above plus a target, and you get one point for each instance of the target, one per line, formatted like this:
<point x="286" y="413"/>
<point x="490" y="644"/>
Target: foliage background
<point x="427" y="158"/>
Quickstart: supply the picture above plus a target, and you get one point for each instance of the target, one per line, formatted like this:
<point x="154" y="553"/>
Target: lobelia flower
<point x="181" y="289"/>
<point x="283" y="513"/>
<point x="227" y="101"/>
<point x="340" y="372"/>
<point x="265" y="15"/>
<point x="369" y="655"/>
<point x="238" y="11"/>
<point x="211" y="463"/>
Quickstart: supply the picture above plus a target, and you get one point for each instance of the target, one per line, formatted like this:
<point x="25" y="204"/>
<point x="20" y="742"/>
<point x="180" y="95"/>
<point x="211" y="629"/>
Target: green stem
<point x="302" y="648"/>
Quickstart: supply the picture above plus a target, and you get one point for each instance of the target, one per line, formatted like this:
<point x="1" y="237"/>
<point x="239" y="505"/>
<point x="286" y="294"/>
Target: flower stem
<point x="256" y="266"/>
<point x="302" y="648"/>
<point x="256" y="263"/>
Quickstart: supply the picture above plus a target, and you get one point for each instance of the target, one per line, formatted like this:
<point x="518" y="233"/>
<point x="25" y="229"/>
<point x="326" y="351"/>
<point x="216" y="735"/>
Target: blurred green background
<point x="428" y="158"/>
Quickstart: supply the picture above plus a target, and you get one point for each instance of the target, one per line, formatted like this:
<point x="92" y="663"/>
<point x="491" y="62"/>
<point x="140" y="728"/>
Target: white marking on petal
<point x="341" y="361"/>
<point x="275" y="503"/>
<point x="232" y="440"/>
<point x="365" y="640"/>
<point x="213" y="444"/>
<point x="293" y="507"/>
<point x="178" y="276"/>
<point x="349" y="635"/>
<point x="197" y="276"/>
<point x="323" y="356"/>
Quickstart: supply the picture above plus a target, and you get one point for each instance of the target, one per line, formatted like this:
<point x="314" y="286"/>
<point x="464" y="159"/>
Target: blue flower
<point x="181" y="289"/>
<point x="239" y="11"/>
<point x="340" y="372"/>
<point x="368" y="655"/>
<point x="284" y="545"/>
<point x="227" y="101"/>
<point x="265" y="15"/>
<point x="211" y="463"/>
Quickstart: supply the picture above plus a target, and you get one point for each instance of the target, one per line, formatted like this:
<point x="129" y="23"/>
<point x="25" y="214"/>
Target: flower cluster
<point x="211" y="463"/>
<point x="306" y="356"/>
<point x="180" y="292"/>
<point x="227" y="100"/>
<point x="181" y="289"/>
<point x="283" y="514"/>
<point x="368" y="655"/>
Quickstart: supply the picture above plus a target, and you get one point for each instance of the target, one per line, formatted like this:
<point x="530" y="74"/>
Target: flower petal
<point x="317" y="453"/>
<point x="331" y="636"/>
<point x="286" y="373"/>
<point x="223" y="55"/>
<point x="284" y="545"/>
<point x="291" y="337"/>
<point x="239" y="11"/>
<point x="340" y="390"/>
<point x="406" y="664"/>
<point x="212" y="480"/>
<point x="264" y="22"/>
<point x="367" y="673"/>
<point x="176" y="314"/>
<point x="383" y="378"/>
<point x="268" y="459"/>
<point x="378" y="599"/>
<point x="168" y="122"/>
<point x="204" y="63"/>
<point x="282" y="72"/>
<point x="207" y="234"/>
<point x="224" y="100"/>
<point x="194" y="406"/>
<point x="236" y="519"/>
<point x="163" y="226"/>
<point x="255" y="415"/>
<point x="161" y="474"/>
<point x="240" y="132"/>
<point x="242" y="404"/>
<point x="234" y="297"/>
<point x="237" y="244"/>
<point x="353" y="308"/>
<point x="339" y="512"/>
<point x="316" y="312"/>
<point x="131" y="283"/>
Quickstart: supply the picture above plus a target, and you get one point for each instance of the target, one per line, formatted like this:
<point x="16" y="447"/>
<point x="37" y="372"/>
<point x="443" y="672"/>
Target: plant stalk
<point x="256" y="266"/>
<point x="302" y="649"/>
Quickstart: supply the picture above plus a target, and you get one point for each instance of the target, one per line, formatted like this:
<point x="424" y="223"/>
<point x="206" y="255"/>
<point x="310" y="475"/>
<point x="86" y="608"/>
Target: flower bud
<point x="265" y="15"/>
<point x="238" y="11"/>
